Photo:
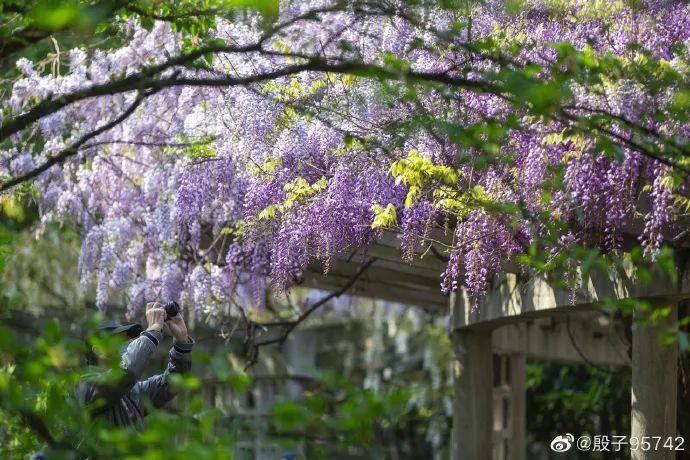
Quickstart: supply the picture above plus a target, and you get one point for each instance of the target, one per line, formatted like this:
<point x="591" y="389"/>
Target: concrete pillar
<point x="300" y="354"/>
<point x="654" y="385"/>
<point x="518" y="407"/>
<point x="473" y="405"/>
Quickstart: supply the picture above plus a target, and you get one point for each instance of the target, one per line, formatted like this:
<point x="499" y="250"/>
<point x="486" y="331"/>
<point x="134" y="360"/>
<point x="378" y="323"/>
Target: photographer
<point x="122" y="402"/>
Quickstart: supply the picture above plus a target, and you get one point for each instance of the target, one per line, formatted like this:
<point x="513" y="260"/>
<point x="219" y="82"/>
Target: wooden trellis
<point x="523" y="317"/>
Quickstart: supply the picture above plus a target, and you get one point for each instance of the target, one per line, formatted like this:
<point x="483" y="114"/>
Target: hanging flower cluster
<point x="217" y="186"/>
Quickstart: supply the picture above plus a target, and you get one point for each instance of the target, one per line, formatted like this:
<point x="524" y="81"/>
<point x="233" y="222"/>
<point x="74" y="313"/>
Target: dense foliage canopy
<point x="211" y="152"/>
<point x="216" y="159"/>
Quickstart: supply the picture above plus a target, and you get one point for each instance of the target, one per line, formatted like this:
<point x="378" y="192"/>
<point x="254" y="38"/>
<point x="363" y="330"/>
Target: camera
<point x="172" y="309"/>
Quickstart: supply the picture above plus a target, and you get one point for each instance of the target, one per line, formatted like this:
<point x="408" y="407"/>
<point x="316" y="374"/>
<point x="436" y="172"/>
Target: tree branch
<point x="72" y="149"/>
<point x="143" y="80"/>
<point x="289" y="326"/>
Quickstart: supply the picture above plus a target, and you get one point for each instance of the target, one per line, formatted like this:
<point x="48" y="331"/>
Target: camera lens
<point x="172" y="309"/>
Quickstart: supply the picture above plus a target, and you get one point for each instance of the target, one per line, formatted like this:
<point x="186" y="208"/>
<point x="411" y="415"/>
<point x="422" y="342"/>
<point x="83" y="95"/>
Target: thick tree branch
<point x="148" y="80"/>
<point x="289" y="326"/>
<point x="172" y="17"/>
<point x="72" y="149"/>
<point x="13" y="125"/>
<point x="144" y="80"/>
<point x="138" y="81"/>
<point x="152" y="86"/>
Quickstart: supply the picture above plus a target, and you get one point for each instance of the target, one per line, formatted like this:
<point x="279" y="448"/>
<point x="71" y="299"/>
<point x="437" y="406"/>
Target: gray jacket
<point x="122" y="402"/>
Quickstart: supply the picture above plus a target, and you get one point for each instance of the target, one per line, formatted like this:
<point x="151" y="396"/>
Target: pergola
<point x="523" y="317"/>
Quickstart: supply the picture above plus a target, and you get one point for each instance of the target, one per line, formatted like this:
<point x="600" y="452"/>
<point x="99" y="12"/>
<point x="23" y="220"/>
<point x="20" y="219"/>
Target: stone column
<point x="473" y="405"/>
<point x="654" y="385"/>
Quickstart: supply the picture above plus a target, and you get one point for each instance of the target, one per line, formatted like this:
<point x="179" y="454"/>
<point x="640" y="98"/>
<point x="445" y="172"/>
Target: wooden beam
<point x="380" y="282"/>
<point x="514" y="297"/>
<point x="579" y="337"/>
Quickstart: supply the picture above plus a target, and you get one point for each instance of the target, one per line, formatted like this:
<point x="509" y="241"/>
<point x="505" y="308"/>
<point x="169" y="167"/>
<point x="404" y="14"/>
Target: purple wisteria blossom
<point x="209" y="191"/>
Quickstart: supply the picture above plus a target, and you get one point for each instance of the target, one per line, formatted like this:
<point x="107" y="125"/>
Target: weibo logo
<point x="562" y="443"/>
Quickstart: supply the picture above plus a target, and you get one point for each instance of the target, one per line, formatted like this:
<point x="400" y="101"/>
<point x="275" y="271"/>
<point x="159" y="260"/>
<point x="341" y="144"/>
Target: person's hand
<point x="155" y="316"/>
<point x="178" y="328"/>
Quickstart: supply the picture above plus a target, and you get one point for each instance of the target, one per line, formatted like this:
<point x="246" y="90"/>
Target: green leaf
<point x="289" y="415"/>
<point x="384" y="217"/>
<point x="54" y="14"/>
<point x="240" y="382"/>
<point x="268" y="213"/>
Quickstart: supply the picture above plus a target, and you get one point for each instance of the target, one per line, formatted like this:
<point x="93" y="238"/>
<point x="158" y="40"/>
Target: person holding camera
<point x="122" y="402"/>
